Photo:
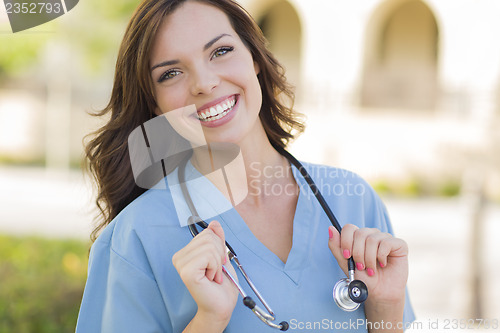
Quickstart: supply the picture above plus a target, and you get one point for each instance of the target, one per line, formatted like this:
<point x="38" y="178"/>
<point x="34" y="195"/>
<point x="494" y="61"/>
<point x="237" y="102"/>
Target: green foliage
<point x="417" y="187"/>
<point x="25" y="161"/>
<point x="41" y="285"/>
<point x="93" y="29"/>
<point x="19" y="51"/>
<point x="413" y="188"/>
<point x="450" y="188"/>
<point x="381" y="187"/>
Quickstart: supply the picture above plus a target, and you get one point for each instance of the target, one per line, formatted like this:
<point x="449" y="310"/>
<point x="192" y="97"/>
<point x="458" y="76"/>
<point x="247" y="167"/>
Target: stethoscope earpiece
<point x="284" y="326"/>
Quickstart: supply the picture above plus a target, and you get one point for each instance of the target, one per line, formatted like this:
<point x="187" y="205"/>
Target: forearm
<point x="385" y="317"/>
<point x="206" y="324"/>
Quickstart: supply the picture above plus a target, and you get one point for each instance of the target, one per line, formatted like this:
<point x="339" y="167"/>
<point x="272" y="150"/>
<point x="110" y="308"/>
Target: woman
<point x="146" y="272"/>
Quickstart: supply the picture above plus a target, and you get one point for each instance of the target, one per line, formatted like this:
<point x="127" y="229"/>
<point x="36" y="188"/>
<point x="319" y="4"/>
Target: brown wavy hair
<point x="132" y="101"/>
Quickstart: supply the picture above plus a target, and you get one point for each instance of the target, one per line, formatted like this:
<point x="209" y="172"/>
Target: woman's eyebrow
<point x="165" y="63"/>
<point x="213" y="41"/>
<point x="205" y="47"/>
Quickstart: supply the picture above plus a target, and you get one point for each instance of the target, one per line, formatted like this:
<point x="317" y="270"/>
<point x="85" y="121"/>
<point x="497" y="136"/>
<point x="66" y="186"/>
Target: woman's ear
<point x="256" y="67"/>
<point x="157" y="111"/>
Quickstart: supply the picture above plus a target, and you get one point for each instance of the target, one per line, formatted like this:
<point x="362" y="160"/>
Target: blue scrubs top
<point x="132" y="285"/>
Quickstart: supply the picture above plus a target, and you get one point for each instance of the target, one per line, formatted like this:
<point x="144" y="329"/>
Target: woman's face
<point x="198" y="59"/>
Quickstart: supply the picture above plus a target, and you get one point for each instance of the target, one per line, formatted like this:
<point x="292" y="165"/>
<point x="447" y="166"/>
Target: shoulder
<point x="133" y="235"/>
<point x="152" y="208"/>
<point x="351" y="198"/>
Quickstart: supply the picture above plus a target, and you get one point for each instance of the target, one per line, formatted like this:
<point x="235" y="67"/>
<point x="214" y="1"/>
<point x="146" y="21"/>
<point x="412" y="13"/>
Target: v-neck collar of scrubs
<point x="209" y="202"/>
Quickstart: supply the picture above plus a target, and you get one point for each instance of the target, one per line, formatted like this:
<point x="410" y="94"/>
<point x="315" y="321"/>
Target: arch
<point x="401" y="57"/>
<point x="281" y="25"/>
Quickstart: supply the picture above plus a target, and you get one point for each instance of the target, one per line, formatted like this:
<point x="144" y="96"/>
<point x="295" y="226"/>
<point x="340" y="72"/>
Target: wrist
<point x="385" y="316"/>
<point x="383" y="303"/>
<point x="207" y="322"/>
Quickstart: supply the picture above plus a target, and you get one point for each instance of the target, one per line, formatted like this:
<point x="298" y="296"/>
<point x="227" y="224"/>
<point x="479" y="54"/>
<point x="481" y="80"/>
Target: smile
<point x="217" y="111"/>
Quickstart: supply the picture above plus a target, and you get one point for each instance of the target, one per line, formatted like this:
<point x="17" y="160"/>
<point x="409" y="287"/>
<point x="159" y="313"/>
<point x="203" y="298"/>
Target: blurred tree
<point x="97" y="31"/>
<point x="19" y="51"/>
<point x="93" y="29"/>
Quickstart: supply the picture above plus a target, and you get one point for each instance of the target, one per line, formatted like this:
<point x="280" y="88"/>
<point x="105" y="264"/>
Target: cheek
<point x="247" y="78"/>
<point x="170" y="98"/>
<point x="255" y="90"/>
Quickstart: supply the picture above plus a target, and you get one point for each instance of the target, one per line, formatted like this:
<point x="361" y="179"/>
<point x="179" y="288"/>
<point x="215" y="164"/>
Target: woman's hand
<point x="199" y="265"/>
<point x="381" y="261"/>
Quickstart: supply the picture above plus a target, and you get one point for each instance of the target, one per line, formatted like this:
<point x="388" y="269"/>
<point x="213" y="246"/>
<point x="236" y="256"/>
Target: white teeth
<point x="217" y="111"/>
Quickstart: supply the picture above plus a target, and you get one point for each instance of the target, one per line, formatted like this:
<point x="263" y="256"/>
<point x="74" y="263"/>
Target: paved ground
<point x="438" y="234"/>
<point x="47" y="203"/>
<point x="34" y="201"/>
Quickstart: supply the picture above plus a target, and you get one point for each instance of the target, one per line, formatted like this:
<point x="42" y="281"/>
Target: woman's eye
<point x="170" y="74"/>
<point x="221" y="51"/>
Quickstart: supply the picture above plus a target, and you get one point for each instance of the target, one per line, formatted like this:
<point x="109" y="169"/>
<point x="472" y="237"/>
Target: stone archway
<point x="281" y="25"/>
<point x="401" y="57"/>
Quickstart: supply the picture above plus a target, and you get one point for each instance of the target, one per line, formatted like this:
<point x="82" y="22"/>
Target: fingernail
<point x="330" y="233"/>
<point x="381" y="265"/>
<point x="225" y="260"/>
<point x="360" y="266"/>
<point x="370" y="272"/>
<point x="347" y="254"/>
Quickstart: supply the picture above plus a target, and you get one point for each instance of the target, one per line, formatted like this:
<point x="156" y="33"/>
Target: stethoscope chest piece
<point x="348" y="295"/>
<point x="341" y="296"/>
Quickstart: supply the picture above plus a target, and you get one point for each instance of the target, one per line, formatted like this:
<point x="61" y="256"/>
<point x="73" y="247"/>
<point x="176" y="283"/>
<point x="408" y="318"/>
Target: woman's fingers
<point x="391" y="247"/>
<point x="217" y="229"/>
<point x="347" y="239"/>
<point x="203" y="256"/>
<point x="369" y="247"/>
<point x="335" y="247"/>
<point x="371" y="254"/>
<point x="359" y="246"/>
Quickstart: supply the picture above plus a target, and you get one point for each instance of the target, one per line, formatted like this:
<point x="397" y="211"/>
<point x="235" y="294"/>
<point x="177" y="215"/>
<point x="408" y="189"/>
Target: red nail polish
<point x="382" y="265"/>
<point x="330" y="233"/>
<point x="360" y="266"/>
<point x="347" y="254"/>
<point x="225" y="260"/>
<point x="370" y="272"/>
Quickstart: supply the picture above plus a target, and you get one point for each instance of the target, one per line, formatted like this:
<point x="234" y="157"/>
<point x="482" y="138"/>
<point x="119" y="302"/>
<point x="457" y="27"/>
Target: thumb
<point x="334" y="245"/>
<point x="217" y="229"/>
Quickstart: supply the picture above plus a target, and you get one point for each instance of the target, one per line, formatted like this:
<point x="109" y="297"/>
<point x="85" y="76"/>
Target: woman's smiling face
<point x="198" y="59"/>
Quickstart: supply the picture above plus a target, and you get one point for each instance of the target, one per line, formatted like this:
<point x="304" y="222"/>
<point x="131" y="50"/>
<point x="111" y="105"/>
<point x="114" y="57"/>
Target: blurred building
<point x="393" y="88"/>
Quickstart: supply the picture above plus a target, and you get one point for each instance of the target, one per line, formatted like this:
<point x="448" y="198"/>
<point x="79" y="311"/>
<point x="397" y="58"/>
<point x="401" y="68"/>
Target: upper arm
<point x="120" y="297"/>
<point x="133" y="300"/>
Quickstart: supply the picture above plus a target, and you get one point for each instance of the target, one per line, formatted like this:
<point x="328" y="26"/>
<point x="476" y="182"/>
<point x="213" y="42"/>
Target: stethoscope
<point x="348" y="293"/>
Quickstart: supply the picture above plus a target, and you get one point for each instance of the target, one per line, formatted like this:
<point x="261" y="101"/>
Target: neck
<point x="247" y="175"/>
<point x="265" y="169"/>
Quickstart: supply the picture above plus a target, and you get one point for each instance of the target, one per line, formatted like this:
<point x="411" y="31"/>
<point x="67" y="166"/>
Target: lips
<point x="216" y="111"/>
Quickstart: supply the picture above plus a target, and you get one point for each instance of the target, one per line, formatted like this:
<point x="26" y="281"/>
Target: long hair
<point x="132" y="100"/>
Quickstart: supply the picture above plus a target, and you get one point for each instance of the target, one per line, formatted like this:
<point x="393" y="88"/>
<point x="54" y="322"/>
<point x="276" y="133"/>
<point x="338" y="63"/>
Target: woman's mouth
<point x="217" y="111"/>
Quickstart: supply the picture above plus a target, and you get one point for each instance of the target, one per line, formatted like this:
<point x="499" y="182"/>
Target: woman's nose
<point x="204" y="80"/>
